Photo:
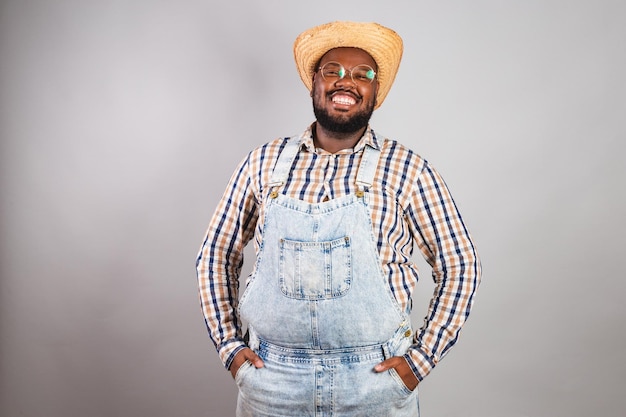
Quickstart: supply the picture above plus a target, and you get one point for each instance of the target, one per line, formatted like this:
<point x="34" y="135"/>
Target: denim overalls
<point x="319" y="309"/>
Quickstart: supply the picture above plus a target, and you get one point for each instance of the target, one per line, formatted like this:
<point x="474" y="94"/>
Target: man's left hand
<point x="402" y="368"/>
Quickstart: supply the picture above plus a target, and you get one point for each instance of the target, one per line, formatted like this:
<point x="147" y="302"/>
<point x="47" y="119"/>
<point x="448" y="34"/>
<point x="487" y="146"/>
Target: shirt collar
<point x="369" y="138"/>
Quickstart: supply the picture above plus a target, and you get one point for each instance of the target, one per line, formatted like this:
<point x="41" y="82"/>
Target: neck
<point x="334" y="142"/>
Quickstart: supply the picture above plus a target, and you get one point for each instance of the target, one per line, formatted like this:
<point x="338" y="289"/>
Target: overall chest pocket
<point x="315" y="270"/>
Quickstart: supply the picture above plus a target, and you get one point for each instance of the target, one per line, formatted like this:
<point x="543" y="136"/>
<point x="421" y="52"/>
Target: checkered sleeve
<point x="220" y="260"/>
<point x="447" y="246"/>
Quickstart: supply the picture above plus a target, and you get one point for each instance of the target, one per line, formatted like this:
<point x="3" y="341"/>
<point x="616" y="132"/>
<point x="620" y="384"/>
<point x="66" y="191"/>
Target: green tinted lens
<point x="363" y="73"/>
<point x="333" y="70"/>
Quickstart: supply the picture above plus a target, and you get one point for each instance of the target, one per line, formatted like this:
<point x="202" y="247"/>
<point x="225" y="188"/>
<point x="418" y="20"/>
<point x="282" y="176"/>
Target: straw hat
<point x="383" y="44"/>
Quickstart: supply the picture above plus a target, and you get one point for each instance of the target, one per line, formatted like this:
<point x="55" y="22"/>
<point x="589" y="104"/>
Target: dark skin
<point x="341" y="99"/>
<point x="327" y="93"/>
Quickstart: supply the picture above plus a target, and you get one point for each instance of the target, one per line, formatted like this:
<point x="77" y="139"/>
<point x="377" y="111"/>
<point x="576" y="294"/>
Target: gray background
<point x="121" y="122"/>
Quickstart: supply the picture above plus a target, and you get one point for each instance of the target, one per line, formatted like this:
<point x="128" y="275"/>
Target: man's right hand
<point x="245" y="354"/>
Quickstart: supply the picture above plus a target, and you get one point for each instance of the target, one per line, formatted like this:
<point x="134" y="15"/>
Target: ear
<point x="312" y="84"/>
<point x="376" y="94"/>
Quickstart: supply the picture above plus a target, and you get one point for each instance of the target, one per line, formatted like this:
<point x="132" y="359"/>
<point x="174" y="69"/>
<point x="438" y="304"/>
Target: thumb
<point x="386" y="365"/>
<point x="254" y="359"/>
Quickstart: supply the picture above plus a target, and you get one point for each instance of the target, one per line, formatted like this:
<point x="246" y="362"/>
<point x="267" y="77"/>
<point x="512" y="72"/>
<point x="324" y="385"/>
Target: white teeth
<point x="344" y="100"/>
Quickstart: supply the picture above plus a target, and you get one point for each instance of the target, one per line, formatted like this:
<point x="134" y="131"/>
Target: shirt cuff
<point x="420" y="362"/>
<point x="229" y="350"/>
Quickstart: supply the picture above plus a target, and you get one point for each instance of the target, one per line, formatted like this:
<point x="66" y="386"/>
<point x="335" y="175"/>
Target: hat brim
<point x="383" y="44"/>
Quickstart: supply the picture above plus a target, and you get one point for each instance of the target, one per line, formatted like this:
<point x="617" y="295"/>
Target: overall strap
<point x="367" y="168"/>
<point x="364" y="177"/>
<point x="285" y="161"/>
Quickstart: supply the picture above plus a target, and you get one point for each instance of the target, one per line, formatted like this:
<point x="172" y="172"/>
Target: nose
<point x="346" y="80"/>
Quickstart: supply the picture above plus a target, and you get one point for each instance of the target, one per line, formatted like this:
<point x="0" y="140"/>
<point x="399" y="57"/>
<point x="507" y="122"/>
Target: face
<point x="341" y="105"/>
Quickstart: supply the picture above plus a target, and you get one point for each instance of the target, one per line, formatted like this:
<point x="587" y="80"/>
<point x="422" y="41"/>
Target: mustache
<point x="348" y="91"/>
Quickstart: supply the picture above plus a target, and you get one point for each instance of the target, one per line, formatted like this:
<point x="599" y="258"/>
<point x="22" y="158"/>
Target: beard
<point x="340" y="124"/>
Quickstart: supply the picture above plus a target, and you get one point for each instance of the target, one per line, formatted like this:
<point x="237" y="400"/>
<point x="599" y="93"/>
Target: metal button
<point x="407" y="333"/>
<point x="360" y="193"/>
<point x="273" y="194"/>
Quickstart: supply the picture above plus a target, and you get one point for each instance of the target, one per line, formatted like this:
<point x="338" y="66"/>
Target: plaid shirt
<point x="410" y="205"/>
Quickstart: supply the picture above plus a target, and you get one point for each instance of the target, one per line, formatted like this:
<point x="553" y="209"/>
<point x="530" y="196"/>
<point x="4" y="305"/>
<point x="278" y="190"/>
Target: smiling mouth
<point x="343" y="99"/>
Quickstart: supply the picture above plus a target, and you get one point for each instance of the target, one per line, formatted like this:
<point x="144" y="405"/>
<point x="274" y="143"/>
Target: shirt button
<point x="273" y="194"/>
<point x="407" y="333"/>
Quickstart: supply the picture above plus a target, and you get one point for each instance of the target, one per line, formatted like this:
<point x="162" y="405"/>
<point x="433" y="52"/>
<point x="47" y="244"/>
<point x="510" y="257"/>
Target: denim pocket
<point x="403" y="388"/>
<point x="315" y="270"/>
<point x="242" y="369"/>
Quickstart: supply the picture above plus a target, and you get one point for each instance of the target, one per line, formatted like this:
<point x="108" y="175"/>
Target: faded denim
<point x="320" y="312"/>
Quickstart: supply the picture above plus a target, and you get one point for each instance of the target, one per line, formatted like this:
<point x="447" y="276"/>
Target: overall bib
<point x="319" y="309"/>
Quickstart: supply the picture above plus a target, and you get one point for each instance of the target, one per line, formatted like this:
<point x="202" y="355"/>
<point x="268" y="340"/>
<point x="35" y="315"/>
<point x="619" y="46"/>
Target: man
<point x="334" y="215"/>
